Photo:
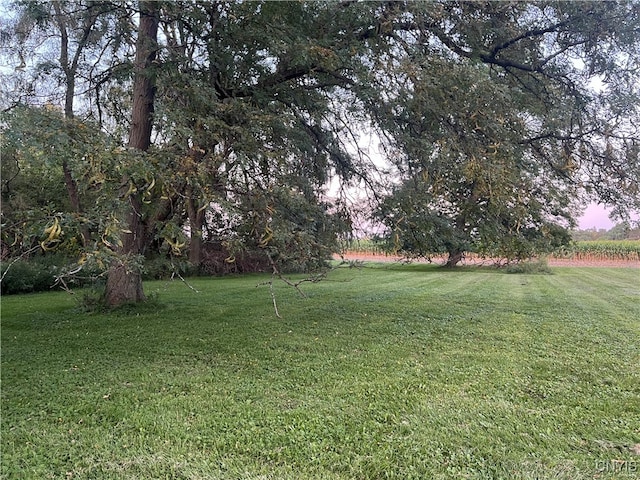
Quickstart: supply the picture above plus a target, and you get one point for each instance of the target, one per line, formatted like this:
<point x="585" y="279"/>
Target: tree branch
<point x="537" y="32"/>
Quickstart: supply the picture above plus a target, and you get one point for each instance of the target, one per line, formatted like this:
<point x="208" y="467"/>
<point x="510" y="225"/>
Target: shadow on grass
<point x="531" y="268"/>
<point x="91" y="301"/>
<point x="429" y="267"/>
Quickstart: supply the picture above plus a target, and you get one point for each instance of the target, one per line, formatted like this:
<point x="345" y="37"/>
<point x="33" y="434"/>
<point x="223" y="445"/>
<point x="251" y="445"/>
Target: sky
<point x="595" y="216"/>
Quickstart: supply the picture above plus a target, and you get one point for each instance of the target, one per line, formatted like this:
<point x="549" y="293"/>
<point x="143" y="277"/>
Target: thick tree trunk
<point x="123" y="285"/>
<point x="196" y="221"/>
<point x="455" y="257"/>
<point x="144" y="84"/>
<point x="124" y="281"/>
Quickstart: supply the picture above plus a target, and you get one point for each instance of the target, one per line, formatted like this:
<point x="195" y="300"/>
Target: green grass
<point x="387" y="372"/>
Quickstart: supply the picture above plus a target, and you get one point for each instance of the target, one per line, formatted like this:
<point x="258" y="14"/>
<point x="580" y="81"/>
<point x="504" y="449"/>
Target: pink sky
<point x="595" y="216"/>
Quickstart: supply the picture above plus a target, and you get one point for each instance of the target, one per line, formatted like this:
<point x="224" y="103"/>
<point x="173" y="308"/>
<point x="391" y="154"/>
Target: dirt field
<point x="553" y="262"/>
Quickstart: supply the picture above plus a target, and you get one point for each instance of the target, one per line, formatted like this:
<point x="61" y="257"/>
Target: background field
<point x="384" y="372"/>
<point x="584" y="250"/>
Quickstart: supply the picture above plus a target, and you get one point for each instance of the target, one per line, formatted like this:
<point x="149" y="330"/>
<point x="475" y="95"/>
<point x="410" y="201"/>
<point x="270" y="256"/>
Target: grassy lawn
<point x="384" y="372"/>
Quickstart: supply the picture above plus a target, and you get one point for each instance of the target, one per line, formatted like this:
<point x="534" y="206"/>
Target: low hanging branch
<point x="15" y="260"/>
<point x="277" y="274"/>
<point x="176" y="273"/>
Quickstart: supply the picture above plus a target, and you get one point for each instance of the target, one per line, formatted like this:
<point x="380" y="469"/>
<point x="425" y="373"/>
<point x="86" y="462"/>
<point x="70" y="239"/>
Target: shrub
<point x="215" y="260"/>
<point x="39" y="273"/>
<point x="26" y="276"/>
<point x="532" y="266"/>
<point x="160" y="267"/>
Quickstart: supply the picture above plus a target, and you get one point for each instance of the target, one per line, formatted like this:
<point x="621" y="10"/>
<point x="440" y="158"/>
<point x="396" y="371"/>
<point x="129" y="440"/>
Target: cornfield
<point x="627" y="250"/>
<point x="364" y="246"/>
<point x="602" y="250"/>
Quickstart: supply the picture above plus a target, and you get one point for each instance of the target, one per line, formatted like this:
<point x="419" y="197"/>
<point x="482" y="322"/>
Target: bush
<point x="26" y="276"/>
<point x="215" y="260"/>
<point x="160" y="267"/>
<point x="537" y="266"/>
<point x="38" y="273"/>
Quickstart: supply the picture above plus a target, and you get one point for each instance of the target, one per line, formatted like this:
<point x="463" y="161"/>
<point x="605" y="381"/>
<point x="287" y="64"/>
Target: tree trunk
<point x="455" y="257"/>
<point x="74" y="198"/>
<point x="124" y="280"/>
<point x="144" y="84"/>
<point x="123" y="285"/>
<point x="72" y="188"/>
<point x="196" y="221"/>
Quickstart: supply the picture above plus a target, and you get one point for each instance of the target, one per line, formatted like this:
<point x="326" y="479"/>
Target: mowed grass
<point x="382" y="372"/>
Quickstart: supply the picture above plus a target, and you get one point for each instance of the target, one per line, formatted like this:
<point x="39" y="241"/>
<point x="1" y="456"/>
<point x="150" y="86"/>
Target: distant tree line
<point x="621" y="231"/>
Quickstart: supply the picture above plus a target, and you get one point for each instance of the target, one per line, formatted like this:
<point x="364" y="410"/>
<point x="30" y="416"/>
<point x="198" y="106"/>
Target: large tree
<point x="248" y="100"/>
<point x="504" y="117"/>
<point x="124" y="280"/>
<point x="257" y="107"/>
<point x="236" y="115"/>
<point x="470" y="183"/>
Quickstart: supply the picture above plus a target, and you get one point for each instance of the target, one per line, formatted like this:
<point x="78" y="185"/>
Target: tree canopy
<point x="182" y="124"/>
<point x="502" y="120"/>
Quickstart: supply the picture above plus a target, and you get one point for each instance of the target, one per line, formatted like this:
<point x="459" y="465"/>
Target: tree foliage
<point x="487" y="111"/>
<point x="497" y="127"/>
<point x="36" y="172"/>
